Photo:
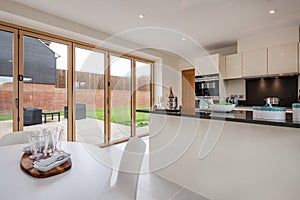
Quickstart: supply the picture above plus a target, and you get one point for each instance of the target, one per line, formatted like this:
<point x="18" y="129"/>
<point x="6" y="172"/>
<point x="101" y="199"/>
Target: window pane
<point x="90" y="82"/>
<point x="143" y="96"/>
<point x="6" y="82"/>
<point x="45" y="83"/>
<point x="120" y="83"/>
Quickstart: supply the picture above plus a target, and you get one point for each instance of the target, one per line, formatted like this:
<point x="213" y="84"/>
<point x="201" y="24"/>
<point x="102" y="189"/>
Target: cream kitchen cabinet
<point x="255" y="63"/>
<point x="233" y="66"/>
<point x="283" y="59"/>
<point x="211" y="64"/>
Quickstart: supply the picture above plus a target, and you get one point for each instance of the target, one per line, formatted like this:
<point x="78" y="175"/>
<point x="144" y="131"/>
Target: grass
<point x="118" y="115"/>
<point x="5" y="117"/>
<point x="121" y="116"/>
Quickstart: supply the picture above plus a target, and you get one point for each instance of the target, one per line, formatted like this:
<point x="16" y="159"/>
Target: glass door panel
<point x="90" y="96"/>
<point x="44" y="83"/>
<point x="7" y="102"/>
<point x="143" y="96"/>
<point x="120" y="98"/>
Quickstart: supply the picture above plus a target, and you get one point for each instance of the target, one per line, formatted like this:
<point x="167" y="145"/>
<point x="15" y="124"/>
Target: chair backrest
<point x="14" y="138"/>
<point x="130" y="165"/>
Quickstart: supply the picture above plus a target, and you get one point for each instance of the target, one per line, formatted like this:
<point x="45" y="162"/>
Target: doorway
<point x="188" y="88"/>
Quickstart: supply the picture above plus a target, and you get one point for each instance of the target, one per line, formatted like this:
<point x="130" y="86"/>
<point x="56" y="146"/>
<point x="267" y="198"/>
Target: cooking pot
<point x="272" y="100"/>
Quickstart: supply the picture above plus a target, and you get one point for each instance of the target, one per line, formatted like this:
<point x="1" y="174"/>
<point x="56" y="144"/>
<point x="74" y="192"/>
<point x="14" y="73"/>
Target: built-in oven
<point x="206" y="91"/>
<point x="207" y="86"/>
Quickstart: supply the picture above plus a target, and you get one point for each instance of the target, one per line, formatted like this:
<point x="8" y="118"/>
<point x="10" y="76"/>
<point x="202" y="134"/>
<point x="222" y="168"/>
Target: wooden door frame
<point x="70" y="85"/>
<point x="182" y="79"/>
<point x="15" y="111"/>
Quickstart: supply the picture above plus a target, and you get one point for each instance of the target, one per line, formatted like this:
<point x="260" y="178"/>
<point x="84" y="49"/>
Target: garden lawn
<point x="121" y="116"/>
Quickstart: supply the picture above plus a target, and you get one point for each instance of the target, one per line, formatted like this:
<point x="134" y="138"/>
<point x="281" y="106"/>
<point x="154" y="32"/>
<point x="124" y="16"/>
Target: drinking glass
<point x="45" y="145"/>
<point x="57" y="138"/>
<point x="55" y="135"/>
<point x="36" y="141"/>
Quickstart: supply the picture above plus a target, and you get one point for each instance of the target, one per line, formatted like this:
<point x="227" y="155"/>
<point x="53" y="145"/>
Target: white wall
<point x="224" y="51"/>
<point x="236" y="87"/>
<point x="168" y="74"/>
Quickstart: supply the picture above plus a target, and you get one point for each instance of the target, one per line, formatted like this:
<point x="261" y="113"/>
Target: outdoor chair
<point x="14" y="138"/>
<point x="32" y="116"/>
<point x="80" y="111"/>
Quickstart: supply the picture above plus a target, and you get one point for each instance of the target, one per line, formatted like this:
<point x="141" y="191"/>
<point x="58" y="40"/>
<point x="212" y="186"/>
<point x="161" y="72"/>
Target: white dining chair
<point x="19" y="137"/>
<point x="125" y="186"/>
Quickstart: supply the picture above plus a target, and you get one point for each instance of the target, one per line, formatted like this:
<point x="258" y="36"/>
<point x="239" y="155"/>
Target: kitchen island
<point x="228" y="155"/>
<point x="243" y="116"/>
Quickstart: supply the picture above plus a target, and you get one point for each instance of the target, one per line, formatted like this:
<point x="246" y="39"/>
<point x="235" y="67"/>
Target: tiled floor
<point x="151" y="186"/>
<point x="154" y="187"/>
<point x="88" y="130"/>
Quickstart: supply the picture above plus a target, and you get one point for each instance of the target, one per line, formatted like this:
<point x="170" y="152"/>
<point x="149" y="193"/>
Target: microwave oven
<point x="207" y="86"/>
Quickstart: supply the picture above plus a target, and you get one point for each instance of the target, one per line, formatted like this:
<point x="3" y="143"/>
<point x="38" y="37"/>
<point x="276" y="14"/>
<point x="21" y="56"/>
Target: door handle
<point x="17" y="103"/>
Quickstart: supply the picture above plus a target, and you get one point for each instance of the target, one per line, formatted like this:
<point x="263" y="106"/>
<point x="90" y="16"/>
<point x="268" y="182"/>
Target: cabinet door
<point x="283" y="59"/>
<point x="233" y="66"/>
<point x="255" y="63"/>
<point x="208" y="64"/>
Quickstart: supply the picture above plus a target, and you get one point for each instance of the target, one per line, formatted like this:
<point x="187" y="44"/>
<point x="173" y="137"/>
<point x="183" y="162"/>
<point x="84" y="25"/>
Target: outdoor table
<point x="45" y="113"/>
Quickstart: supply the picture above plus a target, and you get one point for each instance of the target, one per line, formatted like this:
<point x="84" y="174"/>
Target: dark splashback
<point x="285" y="88"/>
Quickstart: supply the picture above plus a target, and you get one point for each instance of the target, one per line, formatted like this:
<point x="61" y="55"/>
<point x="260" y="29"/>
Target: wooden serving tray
<point x="26" y="165"/>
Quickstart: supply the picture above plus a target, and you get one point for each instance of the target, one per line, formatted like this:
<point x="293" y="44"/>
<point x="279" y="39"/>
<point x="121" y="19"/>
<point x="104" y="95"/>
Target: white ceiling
<point x="211" y="23"/>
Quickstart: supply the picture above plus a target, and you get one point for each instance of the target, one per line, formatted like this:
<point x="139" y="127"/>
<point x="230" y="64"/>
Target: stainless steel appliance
<point x="206" y="91"/>
<point x="207" y="85"/>
<point x="272" y="100"/>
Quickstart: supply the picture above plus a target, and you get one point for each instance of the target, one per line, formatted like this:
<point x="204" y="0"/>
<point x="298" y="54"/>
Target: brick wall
<point x="47" y="97"/>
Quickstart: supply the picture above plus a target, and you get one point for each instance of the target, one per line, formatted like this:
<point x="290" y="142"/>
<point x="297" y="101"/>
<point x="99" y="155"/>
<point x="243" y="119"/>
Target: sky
<point x="93" y="62"/>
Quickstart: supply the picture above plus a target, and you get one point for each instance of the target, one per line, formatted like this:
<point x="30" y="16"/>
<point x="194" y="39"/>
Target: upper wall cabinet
<point x="255" y="63"/>
<point x="283" y="59"/>
<point x="233" y="67"/>
<point x="211" y="64"/>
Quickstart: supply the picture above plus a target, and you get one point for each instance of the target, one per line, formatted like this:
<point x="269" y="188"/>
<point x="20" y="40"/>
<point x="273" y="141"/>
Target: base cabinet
<point x="214" y="158"/>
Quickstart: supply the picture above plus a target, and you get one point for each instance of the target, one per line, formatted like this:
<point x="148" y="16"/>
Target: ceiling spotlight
<point x="141" y="16"/>
<point x="272" y="11"/>
<point x="183" y="38"/>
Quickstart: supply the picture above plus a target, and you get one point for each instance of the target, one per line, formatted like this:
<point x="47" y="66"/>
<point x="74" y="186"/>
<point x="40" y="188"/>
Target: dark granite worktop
<point x="234" y="116"/>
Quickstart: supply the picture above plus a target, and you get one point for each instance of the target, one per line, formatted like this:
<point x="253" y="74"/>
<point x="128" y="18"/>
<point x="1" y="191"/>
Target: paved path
<point x="87" y="130"/>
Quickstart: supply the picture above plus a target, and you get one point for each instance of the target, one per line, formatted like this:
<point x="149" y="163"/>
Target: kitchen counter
<point x="242" y="116"/>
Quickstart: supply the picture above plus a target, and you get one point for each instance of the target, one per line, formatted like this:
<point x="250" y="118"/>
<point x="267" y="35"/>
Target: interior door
<point x="9" y="107"/>
<point x="188" y="89"/>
